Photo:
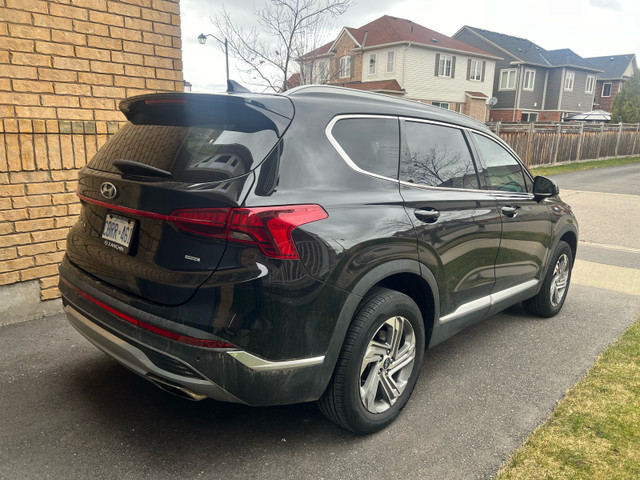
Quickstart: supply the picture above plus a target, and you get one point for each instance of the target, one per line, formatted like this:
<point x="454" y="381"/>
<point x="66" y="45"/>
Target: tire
<point x="375" y="375"/>
<point x="548" y="302"/>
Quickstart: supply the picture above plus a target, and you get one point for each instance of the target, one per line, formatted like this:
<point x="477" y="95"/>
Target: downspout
<point x="561" y="91"/>
<point x="543" y="106"/>
<point x="404" y="61"/>
<point x="516" y="103"/>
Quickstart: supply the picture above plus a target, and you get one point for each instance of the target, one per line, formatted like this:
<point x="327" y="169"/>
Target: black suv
<point x="274" y="249"/>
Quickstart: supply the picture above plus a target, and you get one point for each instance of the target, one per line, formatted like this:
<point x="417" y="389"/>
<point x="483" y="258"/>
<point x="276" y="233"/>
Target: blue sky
<point x="589" y="27"/>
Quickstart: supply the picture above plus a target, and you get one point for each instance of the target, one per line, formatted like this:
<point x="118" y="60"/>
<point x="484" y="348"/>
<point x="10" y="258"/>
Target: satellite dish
<point x="493" y="101"/>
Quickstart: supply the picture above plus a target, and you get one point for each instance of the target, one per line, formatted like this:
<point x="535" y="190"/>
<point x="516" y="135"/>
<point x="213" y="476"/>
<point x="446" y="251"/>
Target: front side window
<point x="529" y="79"/>
<point x="508" y="79"/>
<point x="501" y="170"/>
<point x="372" y="144"/>
<point x="591" y="82"/>
<point x="475" y="70"/>
<point x="345" y="66"/>
<point x="569" y="78"/>
<point x="606" y="89"/>
<point x="444" y="66"/>
<point x="391" y="61"/>
<point x="372" y="64"/>
<point x="437" y="156"/>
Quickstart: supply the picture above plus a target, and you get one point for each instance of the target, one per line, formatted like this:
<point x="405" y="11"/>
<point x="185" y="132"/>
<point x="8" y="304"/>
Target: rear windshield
<point x="190" y="154"/>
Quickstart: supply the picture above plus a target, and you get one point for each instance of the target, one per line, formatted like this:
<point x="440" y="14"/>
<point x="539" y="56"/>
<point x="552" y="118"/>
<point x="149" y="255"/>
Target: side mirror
<point x="544" y="187"/>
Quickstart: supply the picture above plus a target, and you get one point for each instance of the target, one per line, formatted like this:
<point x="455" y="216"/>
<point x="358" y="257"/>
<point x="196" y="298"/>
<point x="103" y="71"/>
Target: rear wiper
<point x="129" y="167"/>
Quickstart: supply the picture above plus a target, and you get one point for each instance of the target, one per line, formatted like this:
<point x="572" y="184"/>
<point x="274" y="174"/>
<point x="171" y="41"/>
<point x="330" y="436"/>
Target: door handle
<point x="510" y="210"/>
<point x="427" y="215"/>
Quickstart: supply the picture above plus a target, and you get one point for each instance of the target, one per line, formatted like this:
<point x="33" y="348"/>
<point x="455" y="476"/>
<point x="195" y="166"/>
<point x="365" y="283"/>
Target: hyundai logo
<point x="108" y="190"/>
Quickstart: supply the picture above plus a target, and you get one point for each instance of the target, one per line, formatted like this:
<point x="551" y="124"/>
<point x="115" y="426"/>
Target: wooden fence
<point x="547" y="144"/>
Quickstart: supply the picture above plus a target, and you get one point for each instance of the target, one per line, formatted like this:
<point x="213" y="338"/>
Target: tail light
<point x="269" y="228"/>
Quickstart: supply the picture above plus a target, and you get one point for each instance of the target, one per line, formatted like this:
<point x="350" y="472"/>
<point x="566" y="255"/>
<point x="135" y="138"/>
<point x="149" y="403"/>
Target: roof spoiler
<point x="235" y="87"/>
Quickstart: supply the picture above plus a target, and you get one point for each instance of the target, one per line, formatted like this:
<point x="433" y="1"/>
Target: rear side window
<point x="190" y="154"/>
<point x="437" y="156"/>
<point x="371" y="144"/>
<point x="501" y="170"/>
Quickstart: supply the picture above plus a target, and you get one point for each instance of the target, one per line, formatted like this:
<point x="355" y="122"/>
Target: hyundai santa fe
<point x="306" y="246"/>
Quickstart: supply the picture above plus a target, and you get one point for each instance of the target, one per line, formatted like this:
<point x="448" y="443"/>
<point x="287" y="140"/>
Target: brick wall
<point x="64" y="66"/>
<point x="345" y="46"/>
<point x="605" y="103"/>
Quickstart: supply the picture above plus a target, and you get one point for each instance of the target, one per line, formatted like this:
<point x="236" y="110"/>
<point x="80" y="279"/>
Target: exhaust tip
<point x="175" y="389"/>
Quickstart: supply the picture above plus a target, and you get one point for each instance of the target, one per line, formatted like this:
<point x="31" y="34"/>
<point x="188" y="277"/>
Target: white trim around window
<point x="475" y="70"/>
<point x="569" y="79"/>
<point x="590" y="85"/>
<point x="529" y="80"/>
<point x="606" y="92"/>
<point x="345" y="66"/>
<point x="372" y="64"/>
<point x="391" y="61"/>
<point x="508" y="79"/>
<point x="445" y="66"/>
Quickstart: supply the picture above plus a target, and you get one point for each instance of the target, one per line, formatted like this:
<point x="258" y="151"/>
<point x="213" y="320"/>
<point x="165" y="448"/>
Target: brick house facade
<point x="64" y="66"/>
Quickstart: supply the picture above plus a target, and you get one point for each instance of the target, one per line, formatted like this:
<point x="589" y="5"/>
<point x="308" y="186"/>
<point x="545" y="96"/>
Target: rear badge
<point x="193" y="259"/>
<point x="108" y="190"/>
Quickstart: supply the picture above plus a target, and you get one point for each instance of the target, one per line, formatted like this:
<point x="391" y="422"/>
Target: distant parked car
<point x="274" y="249"/>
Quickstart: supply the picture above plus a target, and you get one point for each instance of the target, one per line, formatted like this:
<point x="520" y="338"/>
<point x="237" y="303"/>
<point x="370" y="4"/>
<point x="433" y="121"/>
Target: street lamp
<point x="202" y="39"/>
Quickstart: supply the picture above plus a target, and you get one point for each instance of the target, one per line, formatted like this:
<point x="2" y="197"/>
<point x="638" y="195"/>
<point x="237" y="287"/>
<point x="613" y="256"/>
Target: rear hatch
<point x="156" y="197"/>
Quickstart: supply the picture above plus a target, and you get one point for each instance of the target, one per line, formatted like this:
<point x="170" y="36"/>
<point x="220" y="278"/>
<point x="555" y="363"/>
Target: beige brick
<point x="66" y="221"/>
<point x="79" y="155"/>
<point x="166" y="6"/>
<point x="11" y="125"/>
<point x="31" y="201"/>
<point x="11" y="190"/>
<point x="106" y="18"/>
<point x="27" y="156"/>
<point x="71" y="64"/>
<point x="123" y="9"/>
<point x="5" y="85"/>
<point x="17" y="44"/>
<point x="95" y="79"/>
<point x="18" y="264"/>
<point x="93" y="54"/>
<point x="33" y="225"/>
<point x="163" y="74"/>
<point x="25" y="125"/>
<point x="49" y="282"/>
<point x="110" y="115"/>
<point x="48" y="235"/>
<point x="111" y="92"/>
<point x="152" y="61"/>
<point x="53" y="147"/>
<point x="168" y="52"/>
<point x="5" y="204"/>
<point x="68" y="12"/>
<point x="15" y="16"/>
<point x="127" y="58"/>
<point x="91" y="28"/>
<point x="73" y="38"/>
<point x="29" y="177"/>
<point x="48" y="211"/>
<point x="40" y="151"/>
<point x="35" y="112"/>
<point x="13" y="153"/>
<point x="38" y="272"/>
<point x="66" y="149"/>
<point x="52" y="22"/>
<point x="49" y="258"/>
<point x="27" y="31"/>
<point x="159" y="85"/>
<point x="8" y="253"/>
<point x="49" y="294"/>
<point x="175" y="20"/>
<point x="31" y="59"/>
<point x="14" y="71"/>
<point x="156" y="39"/>
<point x="104" y="42"/>
<point x="58" y="75"/>
<point x="135" y="47"/>
<point x="125" y="34"/>
<point x="98" y="103"/>
<point x="72" y="89"/>
<point x="155" y="16"/>
<point x="45" y="187"/>
<point x="64" y="175"/>
<point x="20" y="98"/>
<point x="168" y="30"/>
<point x="39" y="126"/>
<point x="131" y="82"/>
<point x="93" y="4"/>
<point x="138" y="24"/>
<point x="107" y="67"/>
<point x="52" y="126"/>
<point x="137" y="71"/>
<point x="74" y="209"/>
<point x="4" y="56"/>
<point x="58" y="49"/>
<point x="176" y="42"/>
<point x="59" y="101"/>
<point x="32" y="86"/>
<point x="74" y="114"/>
<point x="71" y="186"/>
<point x="14" y="240"/>
<point x="37" y="249"/>
<point x="9" y="278"/>
<point x="37" y="6"/>
<point x="140" y="3"/>
<point x="6" y="228"/>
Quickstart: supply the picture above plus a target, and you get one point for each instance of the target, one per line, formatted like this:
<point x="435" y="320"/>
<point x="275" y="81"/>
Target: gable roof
<point x="527" y="52"/>
<point x="389" y="30"/>
<point x="613" y="66"/>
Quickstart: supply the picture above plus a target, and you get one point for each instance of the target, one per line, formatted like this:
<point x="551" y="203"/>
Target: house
<point x="531" y="83"/>
<point x="398" y="57"/>
<point x="616" y="69"/>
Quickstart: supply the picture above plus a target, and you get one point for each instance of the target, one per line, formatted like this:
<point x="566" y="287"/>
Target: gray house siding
<point x="577" y="100"/>
<point x="554" y="87"/>
<point x="532" y="100"/>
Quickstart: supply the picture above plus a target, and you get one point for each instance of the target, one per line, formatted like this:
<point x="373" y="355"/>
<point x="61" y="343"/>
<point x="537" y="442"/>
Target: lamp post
<point x="202" y="39"/>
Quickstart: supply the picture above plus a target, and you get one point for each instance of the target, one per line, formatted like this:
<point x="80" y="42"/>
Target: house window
<point x="444" y="105"/>
<point x="568" y="81"/>
<point x="345" y="66"/>
<point x="591" y="82"/>
<point x="529" y="79"/>
<point x="508" y="79"/>
<point x="391" y="61"/>
<point x="372" y="64"/>
<point x="475" y="70"/>
<point x="529" y="117"/>
<point x="444" y="66"/>
<point x="606" y="89"/>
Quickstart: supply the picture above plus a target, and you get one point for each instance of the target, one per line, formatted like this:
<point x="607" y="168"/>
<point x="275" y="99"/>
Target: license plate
<point x="117" y="232"/>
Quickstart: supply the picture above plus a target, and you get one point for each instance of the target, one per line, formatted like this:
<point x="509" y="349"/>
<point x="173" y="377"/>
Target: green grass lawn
<point x="575" y="167"/>
<point x="594" y="432"/>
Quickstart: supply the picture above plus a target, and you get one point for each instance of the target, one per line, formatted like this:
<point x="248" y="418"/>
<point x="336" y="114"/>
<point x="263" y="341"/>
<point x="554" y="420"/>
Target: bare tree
<point x="287" y="30"/>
